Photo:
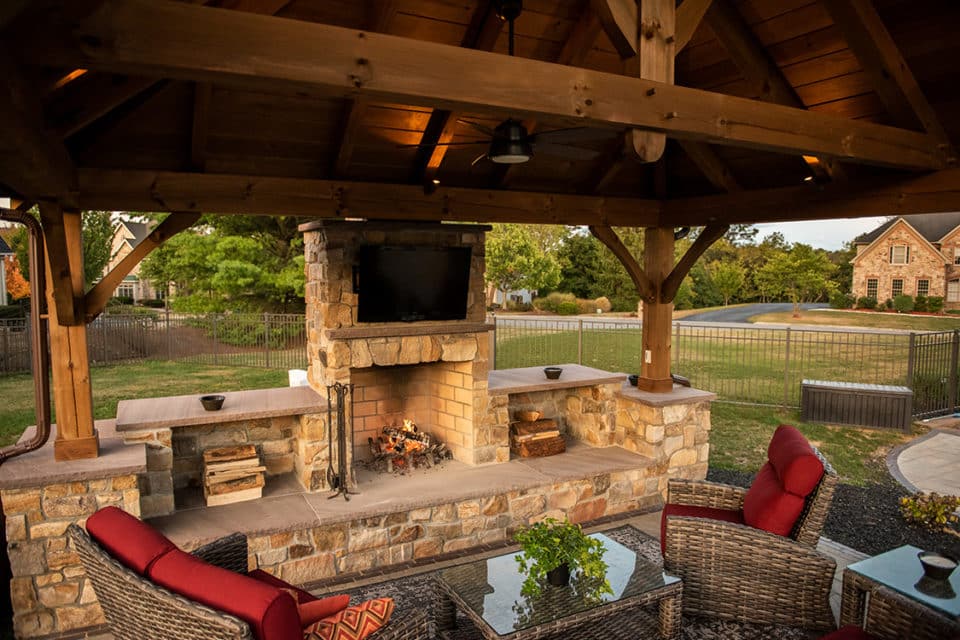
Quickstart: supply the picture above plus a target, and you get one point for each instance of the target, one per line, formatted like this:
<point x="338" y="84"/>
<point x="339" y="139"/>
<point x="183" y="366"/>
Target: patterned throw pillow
<point x="353" y="623"/>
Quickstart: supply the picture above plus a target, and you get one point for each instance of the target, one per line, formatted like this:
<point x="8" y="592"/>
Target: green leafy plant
<point x="903" y="303"/>
<point x="550" y="543"/>
<point x="866" y="302"/>
<point x="931" y="510"/>
<point x="935" y="304"/>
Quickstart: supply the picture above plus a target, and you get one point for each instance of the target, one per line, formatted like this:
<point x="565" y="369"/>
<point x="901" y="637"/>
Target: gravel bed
<point x="866" y="518"/>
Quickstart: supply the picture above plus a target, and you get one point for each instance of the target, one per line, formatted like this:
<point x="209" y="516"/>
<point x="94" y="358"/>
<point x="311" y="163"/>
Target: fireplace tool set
<point x="339" y="479"/>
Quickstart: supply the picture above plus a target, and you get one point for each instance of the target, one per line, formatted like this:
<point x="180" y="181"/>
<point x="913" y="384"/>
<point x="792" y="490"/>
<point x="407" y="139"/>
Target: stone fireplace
<point x="433" y="372"/>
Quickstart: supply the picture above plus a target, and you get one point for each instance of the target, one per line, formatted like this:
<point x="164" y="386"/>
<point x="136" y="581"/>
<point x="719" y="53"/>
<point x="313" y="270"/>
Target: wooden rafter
<point x="689" y="15"/>
<point x="645" y="286"/>
<point x="482" y="34"/>
<point x="96" y="299"/>
<point x="619" y="19"/>
<point x="336" y="60"/>
<point x="671" y="284"/>
<point x="102" y="95"/>
<point x="715" y="169"/>
<point x="202" y="94"/>
<point x="880" y="57"/>
<point x="131" y="190"/>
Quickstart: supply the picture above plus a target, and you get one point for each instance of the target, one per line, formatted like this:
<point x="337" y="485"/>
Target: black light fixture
<point x="511" y="144"/>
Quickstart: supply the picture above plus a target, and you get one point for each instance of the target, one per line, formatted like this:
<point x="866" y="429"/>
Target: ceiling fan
<point x="510" y="142"/>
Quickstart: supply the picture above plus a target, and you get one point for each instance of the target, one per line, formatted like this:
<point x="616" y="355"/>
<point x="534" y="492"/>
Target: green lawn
<point x="128" y="381"/>
<point x="865" y="319"/>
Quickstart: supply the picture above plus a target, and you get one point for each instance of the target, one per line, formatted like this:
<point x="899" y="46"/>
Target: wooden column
<point x="657" y="315"/>
<point x="76" y="437"/>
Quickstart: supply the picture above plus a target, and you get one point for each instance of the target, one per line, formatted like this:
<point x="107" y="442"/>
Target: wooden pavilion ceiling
<point x="157" y="105"/>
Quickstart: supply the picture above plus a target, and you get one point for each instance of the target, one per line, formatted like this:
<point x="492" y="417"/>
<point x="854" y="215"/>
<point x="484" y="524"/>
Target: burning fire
<point x="406" y="438"/>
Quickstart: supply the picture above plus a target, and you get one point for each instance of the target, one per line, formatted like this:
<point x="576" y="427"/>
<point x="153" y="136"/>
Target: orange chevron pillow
<point x="353" y="623"/>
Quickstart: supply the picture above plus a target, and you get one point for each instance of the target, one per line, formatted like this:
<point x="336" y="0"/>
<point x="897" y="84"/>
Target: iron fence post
<point x="493" y="347"/>
<point x="954" y="353"/>
<point x="911" y="358"/>
<point x="266" y="339"/>
<point x="166" y="314"/>
<point x="786" y="371"/>
<point x="216" y="344"/>
<point x="579" y="340"/>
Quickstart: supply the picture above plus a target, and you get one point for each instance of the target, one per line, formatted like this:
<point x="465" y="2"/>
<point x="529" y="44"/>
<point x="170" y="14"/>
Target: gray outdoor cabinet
<point x="864" y="405"/>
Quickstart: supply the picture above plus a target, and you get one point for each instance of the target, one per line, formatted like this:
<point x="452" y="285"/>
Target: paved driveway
<point x="744" y="313"/>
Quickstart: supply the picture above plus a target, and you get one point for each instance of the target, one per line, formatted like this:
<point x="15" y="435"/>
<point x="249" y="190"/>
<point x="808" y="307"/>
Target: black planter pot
<point x="560" y="576"/>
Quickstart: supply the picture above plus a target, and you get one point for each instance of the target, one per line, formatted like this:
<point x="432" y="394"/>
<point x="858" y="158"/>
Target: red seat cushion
<point x="270" y="612"/>
<point x="849" y="633"/>
<point x="725" y="515"/>
<point x="798" y="467"/>
<point x="768" y="506"/>
<point x="309" y="606"/>
<point x="132" y="542"/>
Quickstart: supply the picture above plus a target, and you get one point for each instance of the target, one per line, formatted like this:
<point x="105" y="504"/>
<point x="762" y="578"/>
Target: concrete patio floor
<point x="930" y="463"/>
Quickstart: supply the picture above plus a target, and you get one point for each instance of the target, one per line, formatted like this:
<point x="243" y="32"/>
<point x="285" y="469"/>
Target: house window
<point x="956" y="255"/>
<point x="896" y="288"/>
<point x="899" y="254"/>
<point x="125" y="291"/>
<point x="923" y="288"/>
<point x="872" y="286"/>
<point x="953" y="291"/>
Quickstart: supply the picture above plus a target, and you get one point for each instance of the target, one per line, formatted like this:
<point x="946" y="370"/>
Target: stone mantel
<point x="530" y="379"/>
<point x="413" y="329"/>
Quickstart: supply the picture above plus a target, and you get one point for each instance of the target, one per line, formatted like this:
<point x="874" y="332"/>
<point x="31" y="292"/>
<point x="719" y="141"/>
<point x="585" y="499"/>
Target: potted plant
<point x="553" y="550"/>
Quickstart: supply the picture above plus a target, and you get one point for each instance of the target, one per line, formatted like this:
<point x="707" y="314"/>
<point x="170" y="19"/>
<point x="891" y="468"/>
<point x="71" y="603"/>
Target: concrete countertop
<point x="528" y="379"/>
<point x="183" y="411"/>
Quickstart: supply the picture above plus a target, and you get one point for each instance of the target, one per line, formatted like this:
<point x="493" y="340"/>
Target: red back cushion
<point x="298" y="593"/>
<point x="353" y="623"/>
<point x="133" y="543"/>
<point x="311" y="612"/>
<point x="726" y="515"/>
<point x="768" y="506"/>
<point x="270" y="612"/>
<point x="798" y="467"/>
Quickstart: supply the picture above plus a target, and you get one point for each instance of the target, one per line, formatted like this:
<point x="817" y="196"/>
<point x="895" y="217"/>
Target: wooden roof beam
<point x="671" y="284"/>
<point x="147" y="38"/>
<point x="202" y="94"/>
<point x="880" y="57"/>
<point x="76" y="112"/>
<point x="620" y="21"/>
<point x="713" y="168"/>
<point x="689" y="16"/>
<point x="133" y="190"/>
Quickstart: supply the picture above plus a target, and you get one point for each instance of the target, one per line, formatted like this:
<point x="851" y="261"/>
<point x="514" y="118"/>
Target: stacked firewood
<point x="404" y="447"/>
<point x="232" y="474"/>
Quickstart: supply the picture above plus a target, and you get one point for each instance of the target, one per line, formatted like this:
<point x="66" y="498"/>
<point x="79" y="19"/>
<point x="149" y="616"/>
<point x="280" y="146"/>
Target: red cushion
<point x="725" y="515"/>
<point x="270" y="612"/>
<point x="768" y="506"/>
<point x="798" y="467"/>
<point x="133" y="543"/>
<point x="301" y="595"/>
<point x="311" y="612"/>
<point x="849" y="633"/>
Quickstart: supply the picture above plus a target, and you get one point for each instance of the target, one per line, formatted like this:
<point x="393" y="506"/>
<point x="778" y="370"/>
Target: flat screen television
<point x="410" y="283"/>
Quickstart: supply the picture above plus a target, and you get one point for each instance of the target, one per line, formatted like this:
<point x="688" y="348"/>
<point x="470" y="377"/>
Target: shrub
<point x="603" y="303"/>
<point x="888" y="304"/>
<point x="903" y="303"/>
<point x="568" y="308"/>
<point x="930" y="510"/>
<point x="920" y="303"/>
<point x="586" y="306"/>
<point x="513" y="305"/>
<point x="552" y="302"/>
<point x="153" y="304"/>
<point x="935" y="304"/>
<point x="121" y="300"/>
<point x="866" y="302"/>
<point x="841" y="301"/>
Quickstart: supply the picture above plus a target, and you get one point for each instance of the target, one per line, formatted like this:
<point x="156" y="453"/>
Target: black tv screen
<point x="407" y="284"/>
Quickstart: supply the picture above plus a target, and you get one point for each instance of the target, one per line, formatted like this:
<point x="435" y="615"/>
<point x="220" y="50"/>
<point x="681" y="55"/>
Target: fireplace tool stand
<point x="339" y="479"/>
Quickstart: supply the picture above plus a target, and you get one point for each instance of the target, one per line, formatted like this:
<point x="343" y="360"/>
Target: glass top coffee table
<point x="900" y="570"/>
<point x="488" y="592"/>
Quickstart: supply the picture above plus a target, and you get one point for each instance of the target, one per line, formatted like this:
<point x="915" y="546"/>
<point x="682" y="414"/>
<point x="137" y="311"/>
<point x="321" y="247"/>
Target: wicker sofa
<point x="736" y="571"/>
<point x="125" y="582"/>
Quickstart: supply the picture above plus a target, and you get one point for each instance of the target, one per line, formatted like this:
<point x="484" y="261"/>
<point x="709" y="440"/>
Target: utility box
<point x="854" y="403"/>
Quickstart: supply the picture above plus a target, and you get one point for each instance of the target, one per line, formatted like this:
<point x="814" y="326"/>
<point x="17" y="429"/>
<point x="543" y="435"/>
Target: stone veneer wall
<point x="49" y="590"/>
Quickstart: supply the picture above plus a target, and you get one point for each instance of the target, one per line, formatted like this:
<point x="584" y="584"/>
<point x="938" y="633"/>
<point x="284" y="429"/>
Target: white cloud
<point x="823" y="234"/>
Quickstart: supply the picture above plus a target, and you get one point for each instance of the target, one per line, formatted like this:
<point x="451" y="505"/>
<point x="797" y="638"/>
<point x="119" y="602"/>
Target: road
<point x="744" y="313"/>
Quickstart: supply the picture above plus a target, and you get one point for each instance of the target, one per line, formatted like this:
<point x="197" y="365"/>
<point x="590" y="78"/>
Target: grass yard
<point x="864" y="319"/>
<point x="147" y="379"/>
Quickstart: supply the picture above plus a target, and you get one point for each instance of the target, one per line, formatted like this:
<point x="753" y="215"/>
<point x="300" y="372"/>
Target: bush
<point x="567" y="308"/>
<point x="920" y="303"/>
<point x="866" y="302"/>
<point x="903" y="303"/>
<point x="935" y="304"/>
<point x="586" y="306"/>
<point x="841" y="301"/>
<point x="888" y="304"/>
<point x="513" y="305"/>
<point x="930" y="510"/>
<point x="153" y="304"/>
<point x="603" y="304"/>
<point x="552" y="302"/>
<point x="121" y="300"/>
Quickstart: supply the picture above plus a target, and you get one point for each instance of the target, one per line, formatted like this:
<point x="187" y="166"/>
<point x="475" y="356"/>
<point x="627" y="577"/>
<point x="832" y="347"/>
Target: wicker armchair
<point x="737" y="572"/>
<point x="891" y="616"/>
<point x="136" y="608"/>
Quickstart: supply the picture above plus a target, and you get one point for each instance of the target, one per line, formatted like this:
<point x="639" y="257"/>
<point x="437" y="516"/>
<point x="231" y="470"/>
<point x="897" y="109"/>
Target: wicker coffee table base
<point x="668" y="600"/>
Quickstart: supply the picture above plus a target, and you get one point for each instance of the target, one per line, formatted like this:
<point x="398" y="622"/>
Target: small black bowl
<point x="937" y="566"/>
<point x="212" y="403"/>
<point x="632" y="378"/>
<point x="552" y="373"/>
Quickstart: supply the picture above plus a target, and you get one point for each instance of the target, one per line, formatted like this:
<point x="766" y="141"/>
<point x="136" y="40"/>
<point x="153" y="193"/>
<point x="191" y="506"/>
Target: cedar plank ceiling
<point x="300" y="134"/>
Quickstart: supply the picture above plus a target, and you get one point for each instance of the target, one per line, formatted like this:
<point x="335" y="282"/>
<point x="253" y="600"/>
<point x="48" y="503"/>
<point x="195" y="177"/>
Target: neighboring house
<point x="520" y="296"/>
<point x="5" y="253"/>
<point x="126" y="236"/>
<point x="912" y="255"/>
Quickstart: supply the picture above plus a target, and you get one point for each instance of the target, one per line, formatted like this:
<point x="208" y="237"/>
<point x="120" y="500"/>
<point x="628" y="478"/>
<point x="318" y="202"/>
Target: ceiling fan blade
<point x="440" y="144"/>
<point x="572" y="134"/>
<point x="482" y="156"/>
<point x="479" y="127"/>
<point x="564" y="151"/>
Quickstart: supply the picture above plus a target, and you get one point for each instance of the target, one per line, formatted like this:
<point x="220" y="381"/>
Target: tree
<point x="515" y="260"/>
<point x="843" y="276"/>
<point x="741" y="235"/>
<point x="579" y="258"/>
<point x="17" y="286"/>
<point x="612" y="280"/>
<point x="728" y="277"/>
<point x="801" y="275"/>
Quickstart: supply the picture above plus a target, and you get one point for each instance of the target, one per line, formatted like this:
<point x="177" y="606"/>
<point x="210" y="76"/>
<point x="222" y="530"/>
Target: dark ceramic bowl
<point x="211" y="403"/>
<point x="633" y="379"/>
<point x="552" y="373"/>
<point x="937" y="566"/>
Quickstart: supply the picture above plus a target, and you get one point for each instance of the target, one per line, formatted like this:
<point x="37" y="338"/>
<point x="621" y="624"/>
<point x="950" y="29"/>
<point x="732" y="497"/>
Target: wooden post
<point x="72" y="397"/>
<point x="657" y="315"/>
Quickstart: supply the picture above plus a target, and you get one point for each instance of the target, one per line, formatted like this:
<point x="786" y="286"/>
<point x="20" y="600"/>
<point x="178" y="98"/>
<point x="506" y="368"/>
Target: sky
<point x="821" y="234"/>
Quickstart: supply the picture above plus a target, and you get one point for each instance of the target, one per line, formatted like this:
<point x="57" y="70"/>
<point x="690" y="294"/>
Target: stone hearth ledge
<point x="679" y="395"/>
<point x="529" y="379"/>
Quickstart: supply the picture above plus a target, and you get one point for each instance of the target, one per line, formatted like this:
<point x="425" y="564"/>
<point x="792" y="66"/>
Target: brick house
<point x="912" y="255"/>
<point x="128" y="234"/>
